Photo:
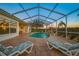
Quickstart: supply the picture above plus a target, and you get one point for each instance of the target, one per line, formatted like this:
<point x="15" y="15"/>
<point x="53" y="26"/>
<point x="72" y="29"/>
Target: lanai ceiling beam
<point x="37" y="7"/>
<point x="40" y="19"/>
<point x="53" y="11"/>
<point x="30" y="17"/>
<point x="38" y="10"/>
<point x="39" y="15"/>
<point x="48" y="17"/>
<point x="69" y="13"/>
<point x="24" y="10"/>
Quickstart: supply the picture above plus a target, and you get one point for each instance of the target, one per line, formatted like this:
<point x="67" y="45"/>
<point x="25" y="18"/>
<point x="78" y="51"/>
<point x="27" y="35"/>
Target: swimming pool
<point x="40" y="35"/>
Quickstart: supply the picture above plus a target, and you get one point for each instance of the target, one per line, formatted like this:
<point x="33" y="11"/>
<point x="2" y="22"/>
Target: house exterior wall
<point x="7" y="34"/>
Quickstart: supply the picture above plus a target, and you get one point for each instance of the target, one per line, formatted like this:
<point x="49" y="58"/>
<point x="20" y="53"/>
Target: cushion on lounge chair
<point x="73" y="47"/>
<point x="7" y="51"/>
<point x="59" y="44"/>
<point x="24" y="45"/>
<point x="14" y="50"/>
<point x="62" y="45"/>
<point x="68" y="49"/>
<point x="2" y="48"/>
<point x="11" y="50"/>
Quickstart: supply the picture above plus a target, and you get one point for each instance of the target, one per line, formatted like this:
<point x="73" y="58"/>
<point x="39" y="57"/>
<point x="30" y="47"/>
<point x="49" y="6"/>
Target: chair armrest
<point x="15" y="53"/>
<point x="68" y="43"/>
<point x="9" y="47"/>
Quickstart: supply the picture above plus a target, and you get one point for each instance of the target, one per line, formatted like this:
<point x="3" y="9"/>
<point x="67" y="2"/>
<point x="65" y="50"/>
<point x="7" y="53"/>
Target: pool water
<point x="39" y="35"/>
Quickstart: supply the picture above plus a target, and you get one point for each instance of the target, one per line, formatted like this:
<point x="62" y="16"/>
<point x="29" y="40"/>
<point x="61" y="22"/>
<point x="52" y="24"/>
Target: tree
<point x="61" y="24"/>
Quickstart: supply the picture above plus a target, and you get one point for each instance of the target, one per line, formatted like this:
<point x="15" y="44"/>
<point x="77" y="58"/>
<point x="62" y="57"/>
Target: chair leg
<point x="17" y="54"/>
<point x="28" y="51"/>
<point x="49" y="46"/>
<point x="76" y="54"/>
<point x="70" y="53"/>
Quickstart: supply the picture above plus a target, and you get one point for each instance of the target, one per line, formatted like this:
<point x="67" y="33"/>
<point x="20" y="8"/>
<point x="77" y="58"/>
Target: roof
<point x="3" y="12"/>
<point x="47" y="12"/>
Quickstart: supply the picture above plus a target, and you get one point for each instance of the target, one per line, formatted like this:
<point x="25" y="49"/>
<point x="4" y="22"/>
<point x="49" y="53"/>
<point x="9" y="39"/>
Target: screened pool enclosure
<point x="59" y="18"/>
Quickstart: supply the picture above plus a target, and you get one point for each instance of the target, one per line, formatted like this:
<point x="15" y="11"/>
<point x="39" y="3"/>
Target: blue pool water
<point x="39" y="35"/>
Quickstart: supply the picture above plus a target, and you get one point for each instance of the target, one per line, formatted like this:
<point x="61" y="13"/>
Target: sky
<point x="64" y="8"/>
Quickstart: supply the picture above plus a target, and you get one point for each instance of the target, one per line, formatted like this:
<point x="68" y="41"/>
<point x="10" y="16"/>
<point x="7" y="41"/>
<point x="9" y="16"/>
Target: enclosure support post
<point x="9" y="27"/>
<point x="66" y="27"/>
<point x="56" y="28"/>
<point x="51" y="29"/>
<point x="17" y="28"/>
<point x="45" y="28"/>
<point x="30" y="28"/>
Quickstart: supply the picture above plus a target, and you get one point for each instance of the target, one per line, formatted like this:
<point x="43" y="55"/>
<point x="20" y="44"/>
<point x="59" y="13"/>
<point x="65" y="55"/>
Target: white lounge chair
<point x="66" y="48"/>
<point x="27" y="47"/>
<point x="13" y="51"/>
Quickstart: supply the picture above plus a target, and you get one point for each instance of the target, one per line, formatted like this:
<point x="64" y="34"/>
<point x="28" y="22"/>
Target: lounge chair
<point x="76" y="39"/>
<point x="13" y="51"/>
<point x="66" y="48"/>
<point x="27" y="46"/>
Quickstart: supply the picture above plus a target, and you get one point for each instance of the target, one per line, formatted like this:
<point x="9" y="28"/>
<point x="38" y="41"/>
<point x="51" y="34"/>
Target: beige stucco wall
<point x="23" y="28"/>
